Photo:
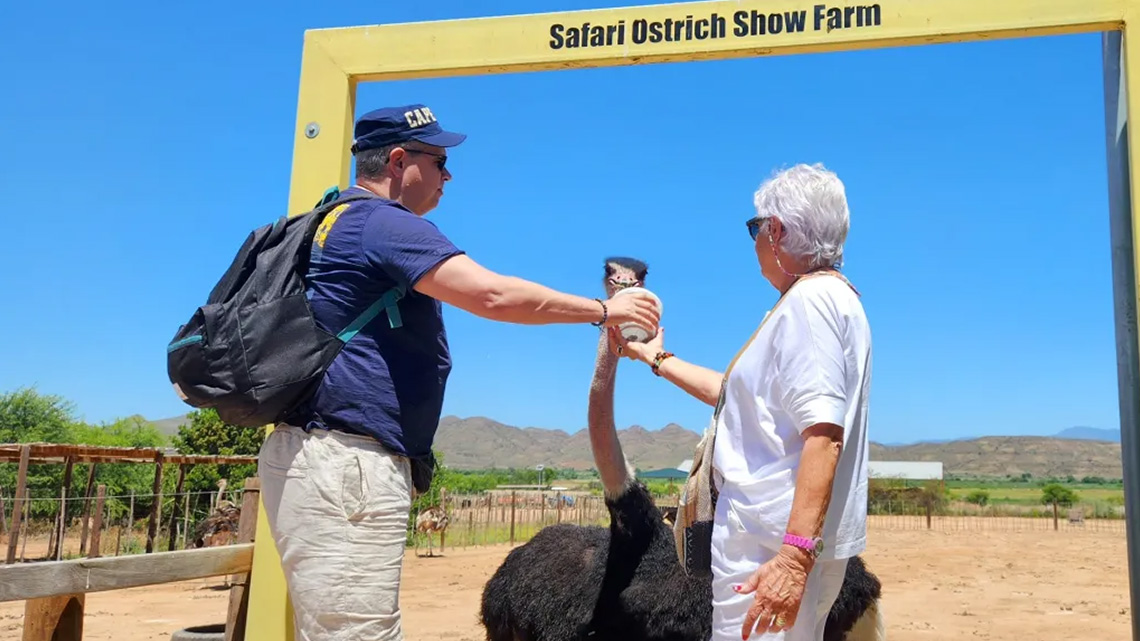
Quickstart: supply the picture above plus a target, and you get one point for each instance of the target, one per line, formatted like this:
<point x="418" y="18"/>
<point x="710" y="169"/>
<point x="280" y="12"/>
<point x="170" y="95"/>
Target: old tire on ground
<point x="213" y="632"/>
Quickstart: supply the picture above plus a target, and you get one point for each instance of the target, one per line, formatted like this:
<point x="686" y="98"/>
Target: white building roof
<point x="909" y="470"/>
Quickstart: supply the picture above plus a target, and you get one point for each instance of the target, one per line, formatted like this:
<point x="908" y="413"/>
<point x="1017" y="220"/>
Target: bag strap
<point x="387" y="302"/>
<point x="710" y="437"/>
<point x="333" y="198"/>
<point x="748" y="343"/>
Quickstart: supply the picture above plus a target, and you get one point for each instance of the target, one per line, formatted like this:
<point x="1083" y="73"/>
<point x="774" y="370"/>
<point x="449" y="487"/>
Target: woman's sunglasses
<point x="754" y="224"/>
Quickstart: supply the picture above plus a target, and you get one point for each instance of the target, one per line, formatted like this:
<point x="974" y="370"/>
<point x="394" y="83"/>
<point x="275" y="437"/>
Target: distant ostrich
<point x="433" y="519"/>
<point x="220" y="527"/>
<point x="571" y="582"/>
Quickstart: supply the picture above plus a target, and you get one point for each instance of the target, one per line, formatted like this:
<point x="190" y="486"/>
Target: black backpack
<point x="254" y="352"/>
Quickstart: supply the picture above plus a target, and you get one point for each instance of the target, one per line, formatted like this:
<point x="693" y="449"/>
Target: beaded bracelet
<point x="657" y="360"/>
<point x="605" y="313"/>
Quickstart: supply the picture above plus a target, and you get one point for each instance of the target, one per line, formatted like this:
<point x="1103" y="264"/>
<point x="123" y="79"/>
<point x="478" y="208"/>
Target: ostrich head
<point x="622" y="272"/>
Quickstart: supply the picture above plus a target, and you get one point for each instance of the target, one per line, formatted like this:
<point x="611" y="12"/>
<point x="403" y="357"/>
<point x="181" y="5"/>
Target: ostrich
<point x="221" y="525"/>
<point x="570" y="582"/>
<point x="433" y="519"/>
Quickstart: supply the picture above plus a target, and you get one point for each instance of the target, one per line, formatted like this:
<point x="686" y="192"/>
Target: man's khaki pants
<point x="337" y="505"/>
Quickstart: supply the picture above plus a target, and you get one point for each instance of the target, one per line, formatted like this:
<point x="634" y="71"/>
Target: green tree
<point x="26" y="416"/>
<point x="980" y="498"/>
<point x="1059" y="494"/>
<point x="121" y="479"/>
<point x="132" y="431"/>
<point x="206" y="433"/>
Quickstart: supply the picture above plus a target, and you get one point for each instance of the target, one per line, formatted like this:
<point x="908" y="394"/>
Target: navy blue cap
<point x="393" y="125"/>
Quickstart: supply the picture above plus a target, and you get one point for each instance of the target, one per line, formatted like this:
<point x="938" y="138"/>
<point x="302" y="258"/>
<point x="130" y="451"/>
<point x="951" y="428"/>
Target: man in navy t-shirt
<point x="386" y="383"/>
<point x="337" y="474"/>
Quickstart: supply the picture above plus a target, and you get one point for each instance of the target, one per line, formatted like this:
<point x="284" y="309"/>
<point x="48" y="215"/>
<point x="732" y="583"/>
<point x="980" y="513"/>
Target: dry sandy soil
<point x="1002" y="586"/>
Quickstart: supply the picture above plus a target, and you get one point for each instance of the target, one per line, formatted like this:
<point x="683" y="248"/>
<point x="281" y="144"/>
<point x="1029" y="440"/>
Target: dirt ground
<point x="1001" y="586"/>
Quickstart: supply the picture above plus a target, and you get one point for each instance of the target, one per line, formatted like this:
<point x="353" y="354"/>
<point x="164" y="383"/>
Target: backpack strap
<point x="331" y="194"/>
<point x="333" y="198"/>
<point x="388" y="301"/>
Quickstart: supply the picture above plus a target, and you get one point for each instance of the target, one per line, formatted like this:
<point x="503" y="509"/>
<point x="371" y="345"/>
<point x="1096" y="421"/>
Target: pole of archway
<point x="321" y="139"/>
<point x="1117" y="71"/>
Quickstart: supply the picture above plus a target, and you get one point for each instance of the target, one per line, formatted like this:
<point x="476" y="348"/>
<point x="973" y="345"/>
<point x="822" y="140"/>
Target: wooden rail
<point x="61" y="453"/>
<point x="92" y="455"/>
<point x="80" y="576"/>
<point x="55" y="591"/>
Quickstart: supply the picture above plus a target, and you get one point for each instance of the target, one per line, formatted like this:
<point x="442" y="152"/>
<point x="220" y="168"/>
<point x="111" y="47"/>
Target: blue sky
<point x="142" y="145"/>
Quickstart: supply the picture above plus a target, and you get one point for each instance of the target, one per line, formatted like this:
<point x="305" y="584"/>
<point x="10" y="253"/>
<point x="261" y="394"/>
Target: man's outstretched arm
<point x="462" y="282"/>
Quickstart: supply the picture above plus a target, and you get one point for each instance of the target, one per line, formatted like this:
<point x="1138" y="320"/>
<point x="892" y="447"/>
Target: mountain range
<point x="480" y="443"/>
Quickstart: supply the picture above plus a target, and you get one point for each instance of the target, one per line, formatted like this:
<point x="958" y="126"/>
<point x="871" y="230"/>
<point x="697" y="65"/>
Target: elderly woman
<point x="789" y="460"/>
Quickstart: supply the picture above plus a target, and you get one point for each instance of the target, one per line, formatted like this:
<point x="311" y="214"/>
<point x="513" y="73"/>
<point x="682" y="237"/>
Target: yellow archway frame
<point x="334" y="61"/>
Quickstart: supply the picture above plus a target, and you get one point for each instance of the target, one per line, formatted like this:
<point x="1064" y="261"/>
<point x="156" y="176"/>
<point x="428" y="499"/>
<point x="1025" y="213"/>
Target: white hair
<point x="811" y="202"/>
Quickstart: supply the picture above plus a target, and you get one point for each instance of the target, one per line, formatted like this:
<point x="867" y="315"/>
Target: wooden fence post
<point x="1056" y="525"/>
<point x="131" y="520"/>
<point x="156" y="505"/>
<point x="54" y="618"/>
<point x="97" y="526"/>
<point x="83" y="532"/>
<point x="64" y="493"/>
<point x="443" y="506"/>
<point x="24" y="526"/>
<point x="512" y="517"/>
<point x="174" y="507"/>
<point x="185" y="519"/>
<point x="19" y="501"/>
<point x="239" y="592"/>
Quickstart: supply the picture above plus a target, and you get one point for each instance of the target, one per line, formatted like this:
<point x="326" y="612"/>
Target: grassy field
<point x="1029" y="493"/>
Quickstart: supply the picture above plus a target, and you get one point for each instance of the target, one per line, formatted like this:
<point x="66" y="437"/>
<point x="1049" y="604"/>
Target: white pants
<point x="337" y="505"/>
<point x="735" y="556"/>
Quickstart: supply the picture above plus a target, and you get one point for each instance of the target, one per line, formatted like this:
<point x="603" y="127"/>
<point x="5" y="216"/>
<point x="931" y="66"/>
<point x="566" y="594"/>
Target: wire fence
<point x="1095" y="516"/>
<point x="47" y="532"/>
<point x="193" y="519"/>
<point x="515" y="517"/>
<point x="499" y="516"/>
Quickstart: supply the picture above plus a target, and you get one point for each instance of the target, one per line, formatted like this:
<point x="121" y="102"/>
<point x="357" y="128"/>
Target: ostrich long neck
<point x="612" y="467"/>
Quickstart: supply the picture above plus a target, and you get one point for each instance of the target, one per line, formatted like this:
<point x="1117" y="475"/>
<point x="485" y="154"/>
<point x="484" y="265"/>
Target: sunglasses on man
<point x="440" y="160"/>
